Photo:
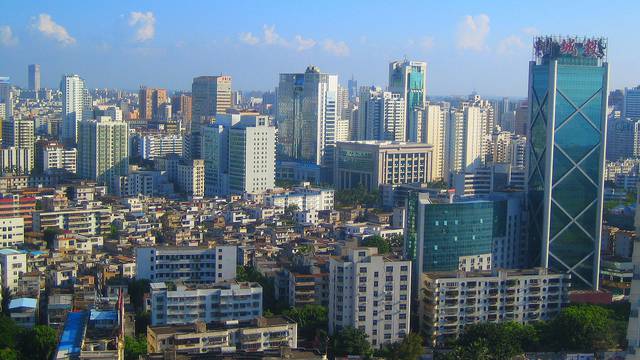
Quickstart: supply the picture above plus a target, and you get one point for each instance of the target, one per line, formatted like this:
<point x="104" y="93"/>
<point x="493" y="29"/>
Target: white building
<point x="370" y="292"/>
<point x="464" y="140"/>
<point x="156" y="145"/>
<point x="304" y="198"/>
<point x="16" y="161"/>
<point x="382" y="115"/>
<point x="190" y="178"/>
<point x="449" y="301"/>
<point x="252" y="155"/>
<point x="74" y="106"/>
<point x="210" y="302"/>
<point x="11" y="231"/>
<point x="186" y="263"/>
<point x="55" y="158"/>
<point x="103" y="150"/>
<point x="87" y="220"/>
<point x="12" y="263"/>
<point x="435" y="118"/>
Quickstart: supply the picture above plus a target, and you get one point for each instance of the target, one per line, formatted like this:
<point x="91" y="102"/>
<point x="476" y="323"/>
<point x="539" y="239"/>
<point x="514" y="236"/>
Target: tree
<point x="136" y="289"/>
<point x="134" y="347"/>
<point x="505" y="340"/>
<point x="351" y="341"/>
<point x="8" y="354"/>
<point x="410" y="348"/>
<point x="50" y="235"/>
<point x="8" y="332"/>
<point x="269" y="300"/>
<point x="310" y="319"/>
<point x="39" y="342"/>
<point x="379" y="242"/>
<point x="143" y="319"/>
<point x="586" y="328"/>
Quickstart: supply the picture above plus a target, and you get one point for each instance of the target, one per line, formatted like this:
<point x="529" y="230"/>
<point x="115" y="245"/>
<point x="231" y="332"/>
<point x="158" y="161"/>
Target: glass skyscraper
<point x="409" y="79"/>
<point x="567" y="130"/>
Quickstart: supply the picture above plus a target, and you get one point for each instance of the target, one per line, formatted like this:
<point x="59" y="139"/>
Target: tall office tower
<point x="521" y="119"/>
<point x="620" y="138"/>
<point x="181" y="107"/>
<point x="73" y="107"/>
<point x="464" y="140"/>
<point x="568" y="88"/>
<point x="6" y="98"/>
<point x="211" y="95"/>
<point x="352" y="87"/>
<point x="103" y="150"/>
<point x="343" y="103"/>
<point x="150" y="101"/>
<point x="215" y="152"/>
<point x="252" y="151"/>
<point x="34" y="77"/>
<point x="631" y="104"/>
<point x="409" y="79"/>
<point x="306" y="116"/>
<point x="435" y="125"/>
<point x="371" y="292"/>
<point x="383" y="115"/>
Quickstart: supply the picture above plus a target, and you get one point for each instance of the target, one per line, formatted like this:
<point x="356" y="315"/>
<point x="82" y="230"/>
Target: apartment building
<point x="304" y="198"/>
<point x="370" y="292"/>
<point x="18" y="206"/>
<point x="169" y="263"/>
<point x="11" y="231"/>
<point x="208" y="302"/>
<point x="451" y="300"/>
<point x="258" y="335"/>
<point x="85" y="220"/>
<point x="12" y="264"/>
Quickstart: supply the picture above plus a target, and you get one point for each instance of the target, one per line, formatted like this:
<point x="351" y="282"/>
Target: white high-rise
<point x="73" y="107"/>
<point x="464" y="140"/>
<point x="382" y="115"/>
<point x="252" y="153"/>
<point x="370" y="292"/>
<point x="435" y="120"/>
<point x="103" y="150"/>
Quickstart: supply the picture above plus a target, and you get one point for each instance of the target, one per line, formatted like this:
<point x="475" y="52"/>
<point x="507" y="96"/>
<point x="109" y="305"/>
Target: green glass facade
<point x="567" y="97"/>
<point x="437" y="235"/>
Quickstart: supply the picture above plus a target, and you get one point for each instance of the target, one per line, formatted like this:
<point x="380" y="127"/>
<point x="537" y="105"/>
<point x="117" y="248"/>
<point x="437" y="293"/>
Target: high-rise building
<point x="370" y="292"/>
<point x="382" y="115"/>
<point x="252" y="155"/>
<point x="20" y="133"/>
<point x="521" y="119"/>
<point x="34" y="77"/>
<point x="409" y="79"/>
<point x="568" y="81"/>
<point x="306" y="116"/>
<point x="434" y="134"/>
<point x="211" y="95"/>
<point x="6" y="98"/>
<point x="103" y="150"/>
<point x="621" y="135"/>
<point x="631" y="104"/>
<point x="56" y="158"/>
<point x="74" y="105"/>
<point x="16" y="161"/>
<point x="190" y="177"/>
<point x="150" y="100"/>
<point x="181" y="107"/>
<point x="352" y="88"/>
<point x="464" y="140"/>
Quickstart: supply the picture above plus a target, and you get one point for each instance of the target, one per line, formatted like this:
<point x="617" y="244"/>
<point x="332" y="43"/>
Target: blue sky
<point x="468" y="45"/>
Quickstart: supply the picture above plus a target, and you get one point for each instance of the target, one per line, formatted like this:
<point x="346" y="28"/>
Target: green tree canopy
<point x="39" y="343"/>
<point x="134" y="347"/>
<point x="379" y="242"/>
<point x="351" y="341"/>
<point x="310" y="319"/>
<point x="410" y="348"/>
<point x="588" y="328"/>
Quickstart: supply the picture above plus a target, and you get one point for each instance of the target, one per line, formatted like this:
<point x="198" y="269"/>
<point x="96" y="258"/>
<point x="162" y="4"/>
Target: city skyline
<point x="467" y="47"/>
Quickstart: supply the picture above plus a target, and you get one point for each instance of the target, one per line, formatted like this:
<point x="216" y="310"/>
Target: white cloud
<point x="510" y="44"/>
<point x="6" y="36"/>
<point x="337" y="48"/>
<point x="271" y="37"/>
<point x="146" y="25"/>
<point x="531" y="31"/>
<point x="51" y="29"/>
<point x="303" y="44"/>
<point x="426" y="43"/>
<point x="472" y="32"/>
<point x="249" y="38"/>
